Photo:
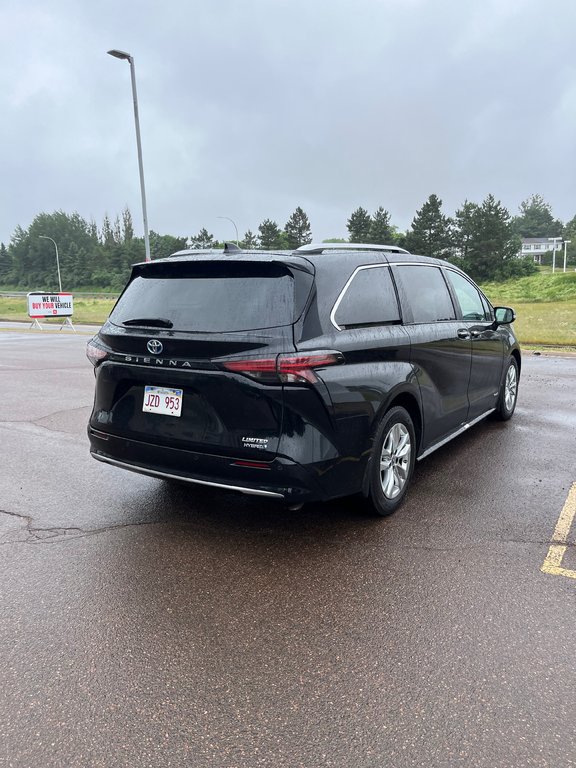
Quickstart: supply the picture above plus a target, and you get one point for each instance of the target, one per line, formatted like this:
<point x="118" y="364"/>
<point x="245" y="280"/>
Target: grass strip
<point x="548" y="323"/>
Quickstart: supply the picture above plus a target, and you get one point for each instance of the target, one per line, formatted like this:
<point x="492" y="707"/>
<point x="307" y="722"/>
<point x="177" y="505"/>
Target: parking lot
<point x="150" y="625"/>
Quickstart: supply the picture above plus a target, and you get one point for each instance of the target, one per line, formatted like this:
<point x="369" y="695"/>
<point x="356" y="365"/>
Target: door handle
<point x="463" y="334"/>
<point x="475" y="334"/>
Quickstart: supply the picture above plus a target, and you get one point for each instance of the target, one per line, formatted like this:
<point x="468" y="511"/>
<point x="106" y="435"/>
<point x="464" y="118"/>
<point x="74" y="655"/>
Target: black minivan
<point x="302" y="376"/>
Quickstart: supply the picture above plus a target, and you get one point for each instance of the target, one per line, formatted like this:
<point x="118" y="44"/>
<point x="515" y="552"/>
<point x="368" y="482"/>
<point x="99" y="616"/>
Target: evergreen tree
<point x="117" y="231"/>
<point x="34" y="257"/>
<point x="202" y="240"/>
<point x="569" y="233"/>
<point x="121" y="258"/>
<point x="106" y="234"/>
<point x="162" y="246"/>
<point x="399" y="238"/>
<point x="464" y="227"/>
<point x="359" y="225"/>
<point x="84" y="260"/>
<point x="270" y="235"/>
<point x="127" y="225"/>
<point x="536" y="219"/>
<point x="5" y="265"/>
<point x="381" y="232"/>
<point x="250" y="241"/>
<point x="75" y="267"/>
<point x="430" y="234"/>
<point x="297" y="229"/>
<point x="492" y="247"/>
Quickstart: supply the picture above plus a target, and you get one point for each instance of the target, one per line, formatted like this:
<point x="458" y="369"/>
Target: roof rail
<point x="321" y="247"/>
<point x="229" y="248"/>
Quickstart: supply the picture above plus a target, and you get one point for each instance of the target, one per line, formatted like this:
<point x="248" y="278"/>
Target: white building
<point x="537" y="246"/>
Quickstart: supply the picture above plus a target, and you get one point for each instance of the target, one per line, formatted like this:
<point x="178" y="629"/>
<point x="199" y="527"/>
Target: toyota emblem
<point x="155" y="346"/>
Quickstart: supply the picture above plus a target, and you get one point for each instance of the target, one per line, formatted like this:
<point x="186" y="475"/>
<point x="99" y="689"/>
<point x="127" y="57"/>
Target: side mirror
<point x="504" y="315"/>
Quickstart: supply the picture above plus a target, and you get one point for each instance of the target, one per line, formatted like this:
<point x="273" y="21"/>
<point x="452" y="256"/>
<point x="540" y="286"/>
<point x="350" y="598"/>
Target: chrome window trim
<point x="347" y="285"/>
<point x="394" y="264"/>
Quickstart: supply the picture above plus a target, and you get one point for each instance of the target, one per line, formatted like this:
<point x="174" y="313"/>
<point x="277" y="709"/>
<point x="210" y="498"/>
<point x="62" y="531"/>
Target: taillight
<point x="293" y="368"/>
<point x="263" y="369"/>
<point x="95" y="353"/>
<point x="288" y="368"/>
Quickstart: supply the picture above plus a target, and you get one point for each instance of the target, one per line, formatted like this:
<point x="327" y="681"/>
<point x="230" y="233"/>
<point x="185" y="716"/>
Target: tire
<point x="508" y="392"/>
<point x="392" y="461"/>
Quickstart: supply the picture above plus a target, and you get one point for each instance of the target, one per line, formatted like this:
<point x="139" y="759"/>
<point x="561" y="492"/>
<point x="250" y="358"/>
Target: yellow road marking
<point x="553" y="562"/>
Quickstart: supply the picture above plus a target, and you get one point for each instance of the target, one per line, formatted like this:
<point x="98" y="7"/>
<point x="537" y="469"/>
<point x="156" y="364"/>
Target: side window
<point x="425" y="293"/>
<point x="370" y="299"/>
<point x="468" y="296"/>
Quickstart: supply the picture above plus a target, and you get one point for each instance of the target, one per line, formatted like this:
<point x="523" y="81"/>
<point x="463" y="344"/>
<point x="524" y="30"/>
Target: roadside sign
<point x="42" y="305"/>
<point x="50" y="304"/>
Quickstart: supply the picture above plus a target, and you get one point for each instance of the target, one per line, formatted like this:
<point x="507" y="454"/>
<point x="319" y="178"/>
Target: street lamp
<point x="234" y="223"/>
<point x="130" y="59"/>
<point x="566" y="242"/>
<point x="554" y="241"/>
<point x="45" y="237"/>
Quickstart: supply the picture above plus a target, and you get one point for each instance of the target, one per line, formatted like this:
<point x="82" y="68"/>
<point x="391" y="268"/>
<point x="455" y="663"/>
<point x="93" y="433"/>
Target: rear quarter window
<point x="369" y="299"/>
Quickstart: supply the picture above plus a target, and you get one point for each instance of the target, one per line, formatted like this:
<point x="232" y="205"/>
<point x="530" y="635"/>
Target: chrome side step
<point x="459" y="431"/>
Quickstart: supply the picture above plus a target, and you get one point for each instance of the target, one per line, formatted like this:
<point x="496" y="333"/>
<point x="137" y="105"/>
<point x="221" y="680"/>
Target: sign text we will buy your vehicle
<point x="50" y="304"/>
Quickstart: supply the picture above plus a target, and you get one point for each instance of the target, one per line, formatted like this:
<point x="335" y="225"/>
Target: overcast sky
<point x="249" y="108"/>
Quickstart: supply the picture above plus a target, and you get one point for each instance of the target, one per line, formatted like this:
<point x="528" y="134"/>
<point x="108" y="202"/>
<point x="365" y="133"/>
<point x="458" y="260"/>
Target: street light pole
<point x="566" y="243"/>
<point x="554" y="241"/>
<point x="130" y="59"/>
<point x="235" y="227"/>
<point x="45" y="237"/>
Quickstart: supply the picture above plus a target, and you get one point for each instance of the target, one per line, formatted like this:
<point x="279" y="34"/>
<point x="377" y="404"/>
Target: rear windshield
<point x="209" y="297"/>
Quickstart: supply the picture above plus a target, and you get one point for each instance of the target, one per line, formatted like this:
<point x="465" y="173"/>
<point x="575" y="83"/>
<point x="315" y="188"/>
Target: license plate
<point x="167" y="402"/>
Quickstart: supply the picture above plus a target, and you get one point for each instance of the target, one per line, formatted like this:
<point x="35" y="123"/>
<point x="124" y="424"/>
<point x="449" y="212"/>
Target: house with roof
<point x="538" y="246"/>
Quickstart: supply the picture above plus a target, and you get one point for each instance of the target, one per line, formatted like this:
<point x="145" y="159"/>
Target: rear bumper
<point x="280" y="478"/>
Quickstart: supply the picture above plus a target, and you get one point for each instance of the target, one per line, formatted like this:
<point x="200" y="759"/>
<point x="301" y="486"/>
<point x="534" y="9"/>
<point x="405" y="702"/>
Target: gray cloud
<point x="251" y="108"/>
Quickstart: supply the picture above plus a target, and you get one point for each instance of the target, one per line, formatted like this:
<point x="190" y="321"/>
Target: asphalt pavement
<point x="149" y="625"/>
<point x="48" y="327"/>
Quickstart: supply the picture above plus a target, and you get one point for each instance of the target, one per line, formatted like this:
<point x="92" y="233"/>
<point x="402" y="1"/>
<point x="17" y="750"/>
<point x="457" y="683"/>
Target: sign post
<point x="42" y="305"/>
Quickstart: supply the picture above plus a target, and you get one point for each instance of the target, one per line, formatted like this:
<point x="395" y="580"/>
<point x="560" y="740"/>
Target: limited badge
<point x="260" y="443"/>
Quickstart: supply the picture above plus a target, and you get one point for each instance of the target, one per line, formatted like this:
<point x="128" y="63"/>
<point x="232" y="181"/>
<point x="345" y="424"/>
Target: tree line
<point x="483" y="238"/>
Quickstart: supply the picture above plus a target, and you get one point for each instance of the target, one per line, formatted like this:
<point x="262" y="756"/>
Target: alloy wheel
<point x="395" y="460"/>
<point x="510" y="388"/>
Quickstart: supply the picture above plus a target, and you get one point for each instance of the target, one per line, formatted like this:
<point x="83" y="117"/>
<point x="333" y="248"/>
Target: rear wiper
<point x="151" y="322"/>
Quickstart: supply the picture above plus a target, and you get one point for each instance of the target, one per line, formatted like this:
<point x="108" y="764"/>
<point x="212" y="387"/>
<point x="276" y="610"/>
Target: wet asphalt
<point x="145" y="625"/>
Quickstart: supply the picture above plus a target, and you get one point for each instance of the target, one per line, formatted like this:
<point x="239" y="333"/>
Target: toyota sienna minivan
<point x="305" y="375"/>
